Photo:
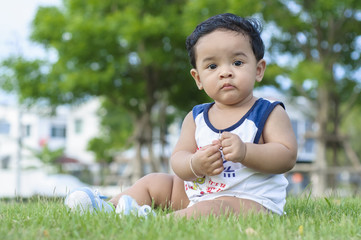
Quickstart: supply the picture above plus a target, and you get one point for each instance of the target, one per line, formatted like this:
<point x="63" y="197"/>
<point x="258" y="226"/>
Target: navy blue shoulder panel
<point x="260" y="114"/>
<point x="199" y="109"/>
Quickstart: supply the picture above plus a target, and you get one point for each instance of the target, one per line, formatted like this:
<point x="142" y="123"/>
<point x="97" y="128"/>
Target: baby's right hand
<point x="208" y="160"/>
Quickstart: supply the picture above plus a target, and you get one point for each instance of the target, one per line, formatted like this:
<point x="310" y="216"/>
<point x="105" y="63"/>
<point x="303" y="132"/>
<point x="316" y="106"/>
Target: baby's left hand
<point x="234" y="149"/>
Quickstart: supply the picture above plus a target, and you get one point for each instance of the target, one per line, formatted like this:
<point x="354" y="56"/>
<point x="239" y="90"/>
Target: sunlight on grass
<point x="306" y="218"/>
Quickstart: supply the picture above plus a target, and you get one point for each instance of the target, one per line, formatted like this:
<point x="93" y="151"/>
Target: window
<point x="295" y="127"/>
<point x="26" y="131"/>
<point x="4" y="127"/>
<point x="78" y="126"/>
<point x="310" y="142"/>
<point x="309" y="145"/>
<point x="309" y="126"/>
<point x="58" y="131"/>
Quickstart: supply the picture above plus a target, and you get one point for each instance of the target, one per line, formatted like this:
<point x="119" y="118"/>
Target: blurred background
<point x="93" y="93"/>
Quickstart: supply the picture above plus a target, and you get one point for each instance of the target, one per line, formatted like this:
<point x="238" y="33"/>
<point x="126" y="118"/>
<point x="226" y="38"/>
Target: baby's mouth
<point x="227" y="86"/>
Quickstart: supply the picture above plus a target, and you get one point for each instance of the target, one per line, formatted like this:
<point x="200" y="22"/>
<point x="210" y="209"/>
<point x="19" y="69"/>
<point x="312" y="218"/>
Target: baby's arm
<point x="276" y="154"/>
<point x="205" y="161"/>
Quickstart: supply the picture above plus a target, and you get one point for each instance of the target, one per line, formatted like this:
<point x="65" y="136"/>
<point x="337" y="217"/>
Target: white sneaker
<point x="127" y="205"/>
<point x="86" y="200"/>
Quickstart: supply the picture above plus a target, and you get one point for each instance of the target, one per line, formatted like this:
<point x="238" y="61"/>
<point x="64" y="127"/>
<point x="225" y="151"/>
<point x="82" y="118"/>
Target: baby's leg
<point x="221" y="206"/>
<point x="164" y="189"/>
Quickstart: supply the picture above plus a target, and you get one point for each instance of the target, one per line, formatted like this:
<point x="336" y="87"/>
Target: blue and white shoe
<point x="87" y="200"/>
<point x="128" y="206"/>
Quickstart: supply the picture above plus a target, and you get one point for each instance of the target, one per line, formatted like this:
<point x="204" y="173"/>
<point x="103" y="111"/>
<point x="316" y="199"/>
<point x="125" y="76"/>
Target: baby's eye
<point x="212" y="66"/>
<point x="238" y="63"/>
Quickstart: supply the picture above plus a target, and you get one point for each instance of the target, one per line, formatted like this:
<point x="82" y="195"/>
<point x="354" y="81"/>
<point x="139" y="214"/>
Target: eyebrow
<point x="208" y="59"/>
<point x="234" y="55"/>
<point x="240" y="54"/>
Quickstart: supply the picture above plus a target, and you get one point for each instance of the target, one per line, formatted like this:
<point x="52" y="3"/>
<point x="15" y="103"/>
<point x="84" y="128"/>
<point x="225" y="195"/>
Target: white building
<point x="72" y="127"/>
<point x="82" y="125"/>
<point x="23" y="131"/>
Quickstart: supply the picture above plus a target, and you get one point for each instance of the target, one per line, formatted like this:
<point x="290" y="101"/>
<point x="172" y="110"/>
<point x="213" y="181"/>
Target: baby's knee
<point x="157" y="179"/>
<point x="158" y="176"/>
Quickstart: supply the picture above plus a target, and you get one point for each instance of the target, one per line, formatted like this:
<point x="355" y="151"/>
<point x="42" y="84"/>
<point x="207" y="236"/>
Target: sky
<point x="15" y="29"/>
<point x="15" y="26"/>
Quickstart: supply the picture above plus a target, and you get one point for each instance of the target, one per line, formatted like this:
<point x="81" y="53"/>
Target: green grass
<point x="307" y="218"/>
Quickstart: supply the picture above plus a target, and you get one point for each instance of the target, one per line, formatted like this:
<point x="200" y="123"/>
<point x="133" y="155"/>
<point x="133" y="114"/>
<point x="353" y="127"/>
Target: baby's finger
<point x="217" y="162"/>
<point x="225" y="135"/>
<point x="205" y="147"/>
<point x="212" y="151"/>
<point x="227" y="151"/>
<point x="217" y="171"/>
<point x="216" y="143"/>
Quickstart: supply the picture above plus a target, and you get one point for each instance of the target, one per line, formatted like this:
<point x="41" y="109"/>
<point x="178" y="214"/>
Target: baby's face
<point x="226" y="66"/>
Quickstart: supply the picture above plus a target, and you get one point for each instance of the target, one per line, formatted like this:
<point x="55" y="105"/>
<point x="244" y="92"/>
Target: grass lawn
<point x="307" y="218"/>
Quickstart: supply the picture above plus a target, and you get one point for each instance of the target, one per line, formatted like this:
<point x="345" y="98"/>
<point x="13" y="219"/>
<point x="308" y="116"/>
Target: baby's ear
<point x="196" y="78"/>
<point x="261" y="68"/>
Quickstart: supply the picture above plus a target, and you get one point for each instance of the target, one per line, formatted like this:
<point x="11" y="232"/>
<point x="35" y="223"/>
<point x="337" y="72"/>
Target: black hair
<point x="247" y="26"/>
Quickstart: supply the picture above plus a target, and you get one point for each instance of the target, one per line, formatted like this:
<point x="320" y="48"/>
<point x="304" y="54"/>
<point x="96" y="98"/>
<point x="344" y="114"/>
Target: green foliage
<point x="323" y="34"/>
<point x="197" y="11"/>
<point x="49" y="156"/>
<point x="100" y="147"/>
<point x="308" y="70"/>
<point x="48" y="18"/>
<point x="272" y="72"/>
<point x="116" y="126"/>
<point x="22" y="75"/>
<point x="132" y="55"/>
<point x="321" y="39"/>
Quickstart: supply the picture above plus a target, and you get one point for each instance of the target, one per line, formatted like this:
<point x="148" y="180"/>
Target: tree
<point x="49" y="157"/>
<point x="129" y="53"/>
<point x="324" y="38"/>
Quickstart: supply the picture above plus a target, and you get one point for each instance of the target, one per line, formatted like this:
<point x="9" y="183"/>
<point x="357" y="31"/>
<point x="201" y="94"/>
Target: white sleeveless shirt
<point x="237" y="180"/>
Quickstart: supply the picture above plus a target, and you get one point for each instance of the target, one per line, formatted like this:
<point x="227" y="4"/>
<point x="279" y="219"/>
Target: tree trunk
<point x="163" y="133"/>
<point x="350" y="153"/>
<point x="137" y="163"/>
<point x="154" y="161"/>
<point x="319" y="176"/>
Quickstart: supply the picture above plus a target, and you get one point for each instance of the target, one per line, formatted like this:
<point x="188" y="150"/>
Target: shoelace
<point x="97" y="194"/>
<point x="99" y="199"/>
